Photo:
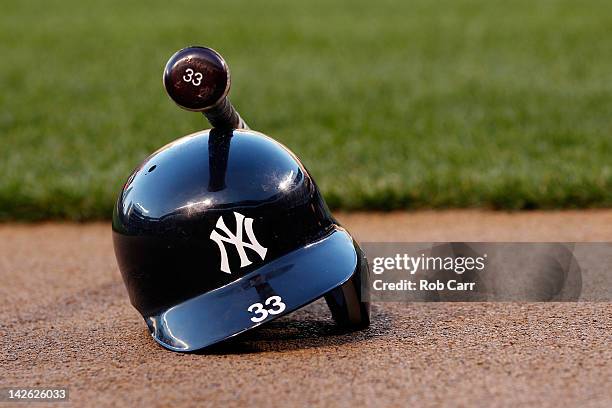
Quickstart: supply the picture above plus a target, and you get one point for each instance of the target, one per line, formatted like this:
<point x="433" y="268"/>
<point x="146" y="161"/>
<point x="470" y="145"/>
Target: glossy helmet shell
<point x="183" y="215"/>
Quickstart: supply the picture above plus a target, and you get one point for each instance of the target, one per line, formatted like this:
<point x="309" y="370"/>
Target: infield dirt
<point x="66" y="321"/>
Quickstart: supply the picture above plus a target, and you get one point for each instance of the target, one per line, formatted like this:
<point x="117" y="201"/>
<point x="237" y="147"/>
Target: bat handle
<point x="223" y="115"/>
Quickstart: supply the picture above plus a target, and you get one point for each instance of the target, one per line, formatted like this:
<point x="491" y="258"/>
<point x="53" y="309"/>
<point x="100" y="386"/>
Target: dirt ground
<point x="65" y="321"/>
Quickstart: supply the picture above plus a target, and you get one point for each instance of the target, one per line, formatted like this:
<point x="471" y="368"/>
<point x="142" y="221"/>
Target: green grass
<point x="421" y="104"/>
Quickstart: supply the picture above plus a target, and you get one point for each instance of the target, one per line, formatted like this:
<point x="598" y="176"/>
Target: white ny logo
<point x="236" y="240"/>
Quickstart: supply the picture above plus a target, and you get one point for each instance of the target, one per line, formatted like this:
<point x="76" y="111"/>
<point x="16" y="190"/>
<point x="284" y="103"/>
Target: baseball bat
<point x="198" y="79"/>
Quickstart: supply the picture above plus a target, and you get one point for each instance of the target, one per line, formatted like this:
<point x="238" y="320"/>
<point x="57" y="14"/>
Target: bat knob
<point x="197" y="78"/>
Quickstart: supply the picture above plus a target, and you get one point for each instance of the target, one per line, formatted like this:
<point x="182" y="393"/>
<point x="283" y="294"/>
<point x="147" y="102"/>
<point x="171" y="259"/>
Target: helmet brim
<point x="298" y="278"/>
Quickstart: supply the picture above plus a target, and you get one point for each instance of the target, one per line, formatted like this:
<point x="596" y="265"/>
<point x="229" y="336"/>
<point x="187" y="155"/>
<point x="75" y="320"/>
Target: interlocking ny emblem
<point x="236" y="240"/>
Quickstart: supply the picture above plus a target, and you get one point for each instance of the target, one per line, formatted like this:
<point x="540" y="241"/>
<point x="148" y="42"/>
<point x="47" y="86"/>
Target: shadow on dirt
<point x="306" y="328"/>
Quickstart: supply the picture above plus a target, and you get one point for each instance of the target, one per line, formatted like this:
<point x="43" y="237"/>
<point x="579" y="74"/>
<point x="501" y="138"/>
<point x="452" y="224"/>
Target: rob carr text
<point x="423" y="284"/>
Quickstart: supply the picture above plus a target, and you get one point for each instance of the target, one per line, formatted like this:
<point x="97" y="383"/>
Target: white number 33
<point x="194" y="77"/>
<point x="261" y="313"/>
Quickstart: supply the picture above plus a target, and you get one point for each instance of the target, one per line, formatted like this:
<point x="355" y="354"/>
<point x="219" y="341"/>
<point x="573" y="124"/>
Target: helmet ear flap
<point x="348" y="308"/>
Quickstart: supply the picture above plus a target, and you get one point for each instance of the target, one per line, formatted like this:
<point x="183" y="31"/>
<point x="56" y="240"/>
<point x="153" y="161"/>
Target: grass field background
<point x="420" y="104"/>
